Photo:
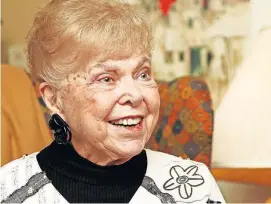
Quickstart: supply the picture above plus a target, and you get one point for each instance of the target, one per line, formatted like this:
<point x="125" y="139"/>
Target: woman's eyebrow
<point x="115" y="68"/>
<point x="142" y="61"/>
<point x="100" y="66"/>
<point x="105" y="66"/>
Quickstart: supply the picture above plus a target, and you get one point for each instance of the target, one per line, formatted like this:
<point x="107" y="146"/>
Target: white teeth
<point x="137" y="120"/>
<point x="129" y="121"/>
<point x="120" y="122"/>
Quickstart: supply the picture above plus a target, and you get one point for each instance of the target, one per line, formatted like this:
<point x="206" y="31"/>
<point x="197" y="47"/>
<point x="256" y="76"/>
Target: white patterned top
<point x="168" y="179"/>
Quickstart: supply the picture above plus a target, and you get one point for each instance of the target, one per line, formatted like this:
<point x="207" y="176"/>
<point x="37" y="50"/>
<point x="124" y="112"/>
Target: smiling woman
<point x="116" y="91"/>
<point x="92" y="60"/>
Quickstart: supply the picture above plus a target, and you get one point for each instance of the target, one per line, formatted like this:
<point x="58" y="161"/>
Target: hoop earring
<point x="60" y="129"/>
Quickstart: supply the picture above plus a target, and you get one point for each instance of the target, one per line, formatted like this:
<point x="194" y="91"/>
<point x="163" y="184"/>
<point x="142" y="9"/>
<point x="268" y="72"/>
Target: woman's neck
<point x="102" y="157"/>
<point x="64" y="160"/>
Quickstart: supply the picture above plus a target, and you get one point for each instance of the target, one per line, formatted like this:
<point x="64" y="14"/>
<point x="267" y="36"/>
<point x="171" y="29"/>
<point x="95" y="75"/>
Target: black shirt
<point x="80" y="181"/>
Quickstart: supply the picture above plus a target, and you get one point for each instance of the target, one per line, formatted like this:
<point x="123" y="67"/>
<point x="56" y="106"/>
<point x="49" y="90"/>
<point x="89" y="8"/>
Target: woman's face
<point x="113" y="106"/>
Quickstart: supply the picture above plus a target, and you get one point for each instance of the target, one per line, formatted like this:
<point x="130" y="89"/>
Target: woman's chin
<point x="130" y="149"/>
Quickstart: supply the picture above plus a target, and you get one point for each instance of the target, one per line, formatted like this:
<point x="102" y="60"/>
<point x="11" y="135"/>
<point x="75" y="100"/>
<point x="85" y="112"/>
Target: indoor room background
<point x="211" y="40"/>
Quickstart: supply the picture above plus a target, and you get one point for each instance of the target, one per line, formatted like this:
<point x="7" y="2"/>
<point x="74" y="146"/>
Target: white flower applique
<point x="184" y="180"/>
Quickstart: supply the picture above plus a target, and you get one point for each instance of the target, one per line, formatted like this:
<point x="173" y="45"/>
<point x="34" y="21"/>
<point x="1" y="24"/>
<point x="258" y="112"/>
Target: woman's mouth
<point x="129" y="123"/>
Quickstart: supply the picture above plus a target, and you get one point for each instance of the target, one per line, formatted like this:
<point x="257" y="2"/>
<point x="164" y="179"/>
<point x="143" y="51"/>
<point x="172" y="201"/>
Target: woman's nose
<point x="130" y="92"/>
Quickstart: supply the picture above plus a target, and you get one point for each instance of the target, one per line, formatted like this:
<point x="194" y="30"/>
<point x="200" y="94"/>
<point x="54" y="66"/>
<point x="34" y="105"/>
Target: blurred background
<point x="192" y="37"/>
<point x="227" y="44"/>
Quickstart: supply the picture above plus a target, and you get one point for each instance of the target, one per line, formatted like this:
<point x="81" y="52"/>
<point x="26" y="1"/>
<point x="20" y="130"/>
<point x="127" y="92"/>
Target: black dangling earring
<point x="60" y="129"/>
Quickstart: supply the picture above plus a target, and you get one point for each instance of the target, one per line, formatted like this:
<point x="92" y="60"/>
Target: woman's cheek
<point x="156" y="101"/>
<point x="151" y="94"/>
<point x="102" y="103"/>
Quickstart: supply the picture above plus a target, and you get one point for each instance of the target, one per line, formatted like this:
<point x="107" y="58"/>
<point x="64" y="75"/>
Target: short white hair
<point x="68" y="34"/>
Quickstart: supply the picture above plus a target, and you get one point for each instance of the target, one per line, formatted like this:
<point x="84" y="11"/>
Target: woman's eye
<point x="107" y="80"/>
<point x="145" y="76"/>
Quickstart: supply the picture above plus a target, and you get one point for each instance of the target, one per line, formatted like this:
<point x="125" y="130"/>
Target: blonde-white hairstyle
<point x="68" y="34"/>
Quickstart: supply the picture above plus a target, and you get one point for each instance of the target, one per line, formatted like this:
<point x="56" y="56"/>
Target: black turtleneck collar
<point x="63" y="159"/>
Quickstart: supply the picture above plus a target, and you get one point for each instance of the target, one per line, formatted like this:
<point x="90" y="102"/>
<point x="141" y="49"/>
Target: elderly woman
<point x="92" y="59"/>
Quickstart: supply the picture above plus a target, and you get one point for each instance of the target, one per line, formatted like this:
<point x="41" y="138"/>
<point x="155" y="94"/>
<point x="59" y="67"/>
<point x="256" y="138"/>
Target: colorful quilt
<point x="185" y="124"/>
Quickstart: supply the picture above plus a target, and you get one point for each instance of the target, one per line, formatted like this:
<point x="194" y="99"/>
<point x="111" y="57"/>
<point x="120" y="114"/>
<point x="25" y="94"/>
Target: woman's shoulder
<point x="184" y="179"/>
<point x="20" y="163"/>
<point x="17" y="173"/>
<point x="170" y="164"/>
<point x="164" y="158"/>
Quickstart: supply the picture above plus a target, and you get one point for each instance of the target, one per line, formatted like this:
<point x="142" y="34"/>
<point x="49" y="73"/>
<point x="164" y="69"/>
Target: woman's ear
<point x="49" y="97"/>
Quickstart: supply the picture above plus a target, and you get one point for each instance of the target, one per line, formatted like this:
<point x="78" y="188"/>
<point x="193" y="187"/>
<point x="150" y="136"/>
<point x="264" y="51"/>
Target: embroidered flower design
<point x="184" y="180"/>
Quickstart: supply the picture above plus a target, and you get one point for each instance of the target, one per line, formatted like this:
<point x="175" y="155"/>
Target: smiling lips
<point x="132" y="122"/>
<point x="127" y="121"/>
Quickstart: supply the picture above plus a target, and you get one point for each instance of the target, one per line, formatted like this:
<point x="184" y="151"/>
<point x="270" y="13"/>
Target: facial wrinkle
<point x="91" y="101"/>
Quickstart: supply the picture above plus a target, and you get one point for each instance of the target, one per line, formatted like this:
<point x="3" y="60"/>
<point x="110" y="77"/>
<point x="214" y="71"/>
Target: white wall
<point x="17" y="17"/>
<point x="242" y="135"/>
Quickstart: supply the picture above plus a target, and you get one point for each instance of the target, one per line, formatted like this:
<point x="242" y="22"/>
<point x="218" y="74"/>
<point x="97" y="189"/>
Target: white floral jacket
<point x="168" y="179"/>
